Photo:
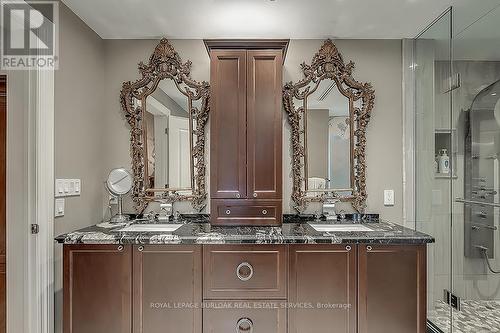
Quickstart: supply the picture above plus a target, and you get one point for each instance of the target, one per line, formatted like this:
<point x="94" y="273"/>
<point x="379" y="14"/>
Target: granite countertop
<point x="295" y="230"/>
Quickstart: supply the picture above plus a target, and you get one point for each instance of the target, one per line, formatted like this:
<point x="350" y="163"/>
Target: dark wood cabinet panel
<point x="167" y="289"/>
<point x="246" y="212"/>
<point x="392" y="289"/>
<point x="246" y="126"/>
<point x="97" y="288"/>
<point x="245" y="317"/>
<point x="322" y="279"/>
<point x="228" y="124"/>
<point x="245" y="271"/>
<point x="264" y="124"/>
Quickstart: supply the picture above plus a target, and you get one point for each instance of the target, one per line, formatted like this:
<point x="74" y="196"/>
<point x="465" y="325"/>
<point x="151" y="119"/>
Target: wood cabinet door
<point x="392" y="289"/>
<point x="228" y="124"/>
<point x="167" y="289"/>
<point x="322" y="289"/>
<point x="97" y="288"/>
<point x="264" y="124"/>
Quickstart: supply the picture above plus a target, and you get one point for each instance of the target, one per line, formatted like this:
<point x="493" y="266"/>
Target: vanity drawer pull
<point x="368" y="248"/>
<point x="264" y="212"/>
<point x="228" y="212"/>
<point x="120" y="248"/>
<point x="348" y="248"/>
<point x="254" y="194"/>
<point x="141" y="248"/>
<point x="244" y="325"/>
<point x="244" y="271"/>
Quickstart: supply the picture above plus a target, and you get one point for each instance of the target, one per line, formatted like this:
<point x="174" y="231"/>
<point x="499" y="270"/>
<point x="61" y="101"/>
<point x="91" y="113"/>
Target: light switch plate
<point x="388" y="197"/>
<point x="59" y="189"/>
<point x="59" y="207"/>
<point x="67" y="188"/>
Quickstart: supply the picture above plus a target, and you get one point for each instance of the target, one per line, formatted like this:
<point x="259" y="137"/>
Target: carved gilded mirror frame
<point x="328" y="63"/>
<point x="165" y="63"/>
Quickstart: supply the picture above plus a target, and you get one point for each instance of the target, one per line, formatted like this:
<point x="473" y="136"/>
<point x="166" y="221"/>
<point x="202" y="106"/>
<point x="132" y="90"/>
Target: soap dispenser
<point x="444" y="162"/>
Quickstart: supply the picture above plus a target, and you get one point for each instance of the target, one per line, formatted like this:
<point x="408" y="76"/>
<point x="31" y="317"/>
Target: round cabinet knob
<point x="348" y="248"/>
<point x="254" y="195"/>
<point x="264" y="212"/>
<point x="120" y="248"/>
<point x="141" y="248"/>
<point x="368" y="248"/>
<point x="244" y="325"/>
<point x="244" y="271"/>
<point x="228" y="212"/>
<point x="238" y="195"/>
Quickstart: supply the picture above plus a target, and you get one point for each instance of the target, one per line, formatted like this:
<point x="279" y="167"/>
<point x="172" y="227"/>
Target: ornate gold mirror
<point x="328" y="111"/>
<point x="167" y="111"/>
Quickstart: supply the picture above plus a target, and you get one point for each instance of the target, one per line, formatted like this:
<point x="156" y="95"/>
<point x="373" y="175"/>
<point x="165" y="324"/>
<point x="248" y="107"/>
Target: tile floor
<point x="476" y="316"/>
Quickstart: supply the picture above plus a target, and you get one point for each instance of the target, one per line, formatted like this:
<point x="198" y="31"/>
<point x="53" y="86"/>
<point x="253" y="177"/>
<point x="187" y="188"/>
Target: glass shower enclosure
<point x="456" y="68"/>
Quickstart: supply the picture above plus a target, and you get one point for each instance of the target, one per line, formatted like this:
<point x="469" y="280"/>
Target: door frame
<point x="42" y="261"/>
<point x="30" y="110"/>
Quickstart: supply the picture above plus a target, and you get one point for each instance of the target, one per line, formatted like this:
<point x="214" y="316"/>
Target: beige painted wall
<point x="377" y="61"/>
<point x="79" y="131"/>
<point x="92" y="135"/>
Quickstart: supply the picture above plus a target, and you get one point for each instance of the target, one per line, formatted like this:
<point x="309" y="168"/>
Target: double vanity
<point x="245" y="267"/>
<point x="368" y="277"/>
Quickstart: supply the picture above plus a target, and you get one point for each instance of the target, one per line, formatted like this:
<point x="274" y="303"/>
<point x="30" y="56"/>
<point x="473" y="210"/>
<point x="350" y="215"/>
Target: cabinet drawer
<point x="245" y="272"/>
<point x="244" y="317"/>
<point x="246" y="212"/>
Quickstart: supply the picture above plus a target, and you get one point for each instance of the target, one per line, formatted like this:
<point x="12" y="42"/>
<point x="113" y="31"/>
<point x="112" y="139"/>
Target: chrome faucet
<point x="329" y="208"/>
<point x="166" y="210"/>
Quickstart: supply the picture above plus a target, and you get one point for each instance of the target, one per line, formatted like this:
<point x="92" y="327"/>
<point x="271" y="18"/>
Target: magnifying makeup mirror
<point x="118" y="184"/>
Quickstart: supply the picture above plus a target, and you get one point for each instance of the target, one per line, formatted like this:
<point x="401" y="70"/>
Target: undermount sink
<point x="151" y="228"/>
<point x="339" y="227"/>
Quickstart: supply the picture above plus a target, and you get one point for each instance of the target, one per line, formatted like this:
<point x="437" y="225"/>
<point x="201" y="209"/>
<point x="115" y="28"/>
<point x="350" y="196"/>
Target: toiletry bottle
<point x="444" y="162"/>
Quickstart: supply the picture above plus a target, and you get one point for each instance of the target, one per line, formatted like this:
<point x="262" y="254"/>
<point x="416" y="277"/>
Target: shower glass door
<point x="435" y="160"/>
<point x="456" y="66"/>
<point x="476" y="117"/>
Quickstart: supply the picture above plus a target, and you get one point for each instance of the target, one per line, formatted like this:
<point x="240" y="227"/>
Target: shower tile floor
<point x="475" y="317"/>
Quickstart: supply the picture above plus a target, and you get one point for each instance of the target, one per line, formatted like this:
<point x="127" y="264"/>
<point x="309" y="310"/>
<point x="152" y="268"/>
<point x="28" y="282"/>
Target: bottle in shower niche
<point x="444" y="161"/>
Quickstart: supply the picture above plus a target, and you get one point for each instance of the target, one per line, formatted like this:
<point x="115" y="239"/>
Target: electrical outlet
<point x="388" y="197"/>
<point x="59" y="207"/>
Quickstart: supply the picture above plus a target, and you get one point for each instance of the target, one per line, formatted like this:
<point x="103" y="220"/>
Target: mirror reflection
<point x="328" y="139"/>
<point x="168" y="139"/>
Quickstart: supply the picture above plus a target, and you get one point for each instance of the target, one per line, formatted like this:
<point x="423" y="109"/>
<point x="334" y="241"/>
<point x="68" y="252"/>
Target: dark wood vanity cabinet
<point x="392" y="288"/>
<point x="167" y="289"/>
<point x="246" y="134"/>
<point x="302" y="288"/>
<point x="322" y="289"/>
<point x="97" y="288"/>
